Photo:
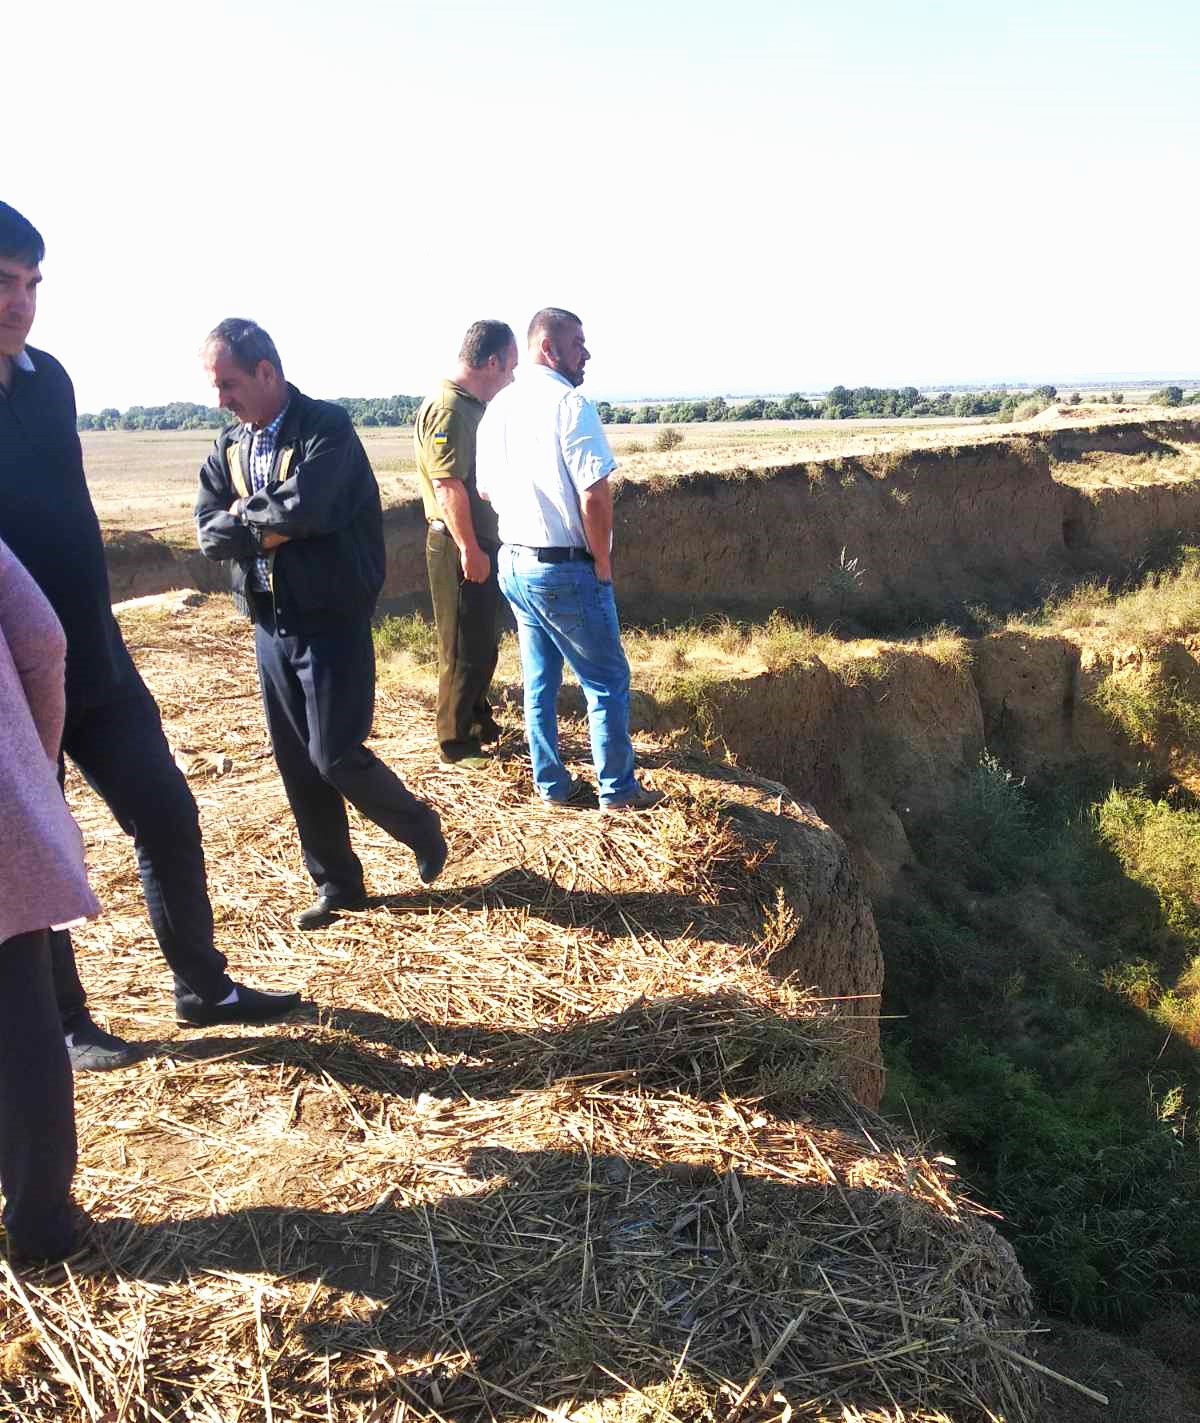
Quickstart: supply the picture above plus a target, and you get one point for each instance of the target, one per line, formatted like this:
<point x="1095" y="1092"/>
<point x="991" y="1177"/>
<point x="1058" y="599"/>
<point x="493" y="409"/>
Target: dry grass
<point x="553" y="1144"/>
<point x="666" y="661"/>
<point x="1164" y="607"/>
<point x="1173" y="462"/>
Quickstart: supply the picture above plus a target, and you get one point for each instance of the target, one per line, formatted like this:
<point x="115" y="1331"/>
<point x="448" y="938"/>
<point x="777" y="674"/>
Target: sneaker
<point x="472" y="763"/>
<point x="637" y="799"/>
<point x="577" y="793"/>
<point x="91" y="1049"/>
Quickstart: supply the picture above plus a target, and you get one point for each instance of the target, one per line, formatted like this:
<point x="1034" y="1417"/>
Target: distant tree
<point x="1169" y="395"/>
<point x="716" y="409"/>
<point x="1116" y="397"/>
<point x="647" y="415"/>
<point x="838" y="404"/>
<point x="605" y="412"/>
<point x="749" y="410"/>
<point x="1075" y="398"/>
<point x="795" y="407"/>
<point x="1045" y="393"/>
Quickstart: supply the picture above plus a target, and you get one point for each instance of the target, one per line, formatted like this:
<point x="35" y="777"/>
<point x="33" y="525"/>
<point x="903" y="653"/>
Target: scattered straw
<point x="551" y="1144"/>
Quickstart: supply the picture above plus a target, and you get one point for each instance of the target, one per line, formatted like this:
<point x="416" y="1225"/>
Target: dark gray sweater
<point x="47" y="520"/>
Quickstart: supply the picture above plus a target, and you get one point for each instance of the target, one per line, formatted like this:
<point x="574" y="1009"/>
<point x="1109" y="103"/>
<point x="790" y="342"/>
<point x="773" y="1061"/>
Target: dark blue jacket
<point x="47" y="519"/>
<point x="328" y="506"/>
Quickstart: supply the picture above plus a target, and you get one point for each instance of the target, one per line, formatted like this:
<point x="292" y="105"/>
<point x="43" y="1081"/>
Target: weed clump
<point x="1046" y="941"/>
<point x="1164" y="605"/>
<point x="1151" y="706"/>
<point x="410" y="635"/>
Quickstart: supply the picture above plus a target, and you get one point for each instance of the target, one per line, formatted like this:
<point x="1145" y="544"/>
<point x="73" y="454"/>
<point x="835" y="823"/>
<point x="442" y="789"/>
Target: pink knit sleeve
<point x="38" y="646"/>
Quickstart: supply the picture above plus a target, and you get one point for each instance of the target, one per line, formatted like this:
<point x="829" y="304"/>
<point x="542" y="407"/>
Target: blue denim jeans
<point x="564" y="612"/>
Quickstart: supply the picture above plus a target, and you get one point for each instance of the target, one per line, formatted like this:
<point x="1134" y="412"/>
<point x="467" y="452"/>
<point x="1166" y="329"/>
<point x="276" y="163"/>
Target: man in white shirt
<point x="544" y="462"/>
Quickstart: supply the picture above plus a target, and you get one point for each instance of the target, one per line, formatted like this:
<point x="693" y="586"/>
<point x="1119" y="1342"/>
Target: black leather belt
<point x="563" y="555"/>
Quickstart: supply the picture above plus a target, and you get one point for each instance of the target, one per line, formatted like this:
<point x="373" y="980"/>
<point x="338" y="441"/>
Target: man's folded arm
<point x="221" y="534"/>
<point x="322" y="493"/>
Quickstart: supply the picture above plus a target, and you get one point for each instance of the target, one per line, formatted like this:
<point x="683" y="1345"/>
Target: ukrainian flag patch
<point x="440" y="437"/>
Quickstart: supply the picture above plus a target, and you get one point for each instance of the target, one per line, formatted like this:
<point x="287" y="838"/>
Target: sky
<point x="762" y="197"/>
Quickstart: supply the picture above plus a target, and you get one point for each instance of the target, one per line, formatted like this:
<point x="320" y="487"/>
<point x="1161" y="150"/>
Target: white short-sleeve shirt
<point x="540" y="445"/>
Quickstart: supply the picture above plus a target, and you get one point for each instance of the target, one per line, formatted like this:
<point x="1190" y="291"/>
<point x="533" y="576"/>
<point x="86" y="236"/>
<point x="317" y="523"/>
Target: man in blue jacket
<point x="113" y="732"/>
<point x="289" y="498"/>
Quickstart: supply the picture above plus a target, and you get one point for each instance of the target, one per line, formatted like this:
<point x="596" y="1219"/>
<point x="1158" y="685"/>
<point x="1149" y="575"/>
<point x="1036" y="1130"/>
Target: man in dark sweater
<point x="289" y="499"/>
<point x="113" y="731"/>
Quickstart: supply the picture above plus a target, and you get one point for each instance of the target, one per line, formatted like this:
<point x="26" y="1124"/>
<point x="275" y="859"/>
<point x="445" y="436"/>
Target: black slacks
<point x="319" y="698"/>
<point x="37" y="1104"/>
<point x="466" y="615"/>
<point x="120" y="749"/>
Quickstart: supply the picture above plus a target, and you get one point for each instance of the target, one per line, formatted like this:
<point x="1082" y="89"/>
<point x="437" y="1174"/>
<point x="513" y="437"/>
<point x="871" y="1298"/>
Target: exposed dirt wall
<point x="870" y="757"/>
<point x="925" y="532"/>
<point x="1118" y="525"/>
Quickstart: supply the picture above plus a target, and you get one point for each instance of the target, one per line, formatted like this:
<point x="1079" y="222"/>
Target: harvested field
<point x="569" y="1136"/>
<point x="861" y="526"/>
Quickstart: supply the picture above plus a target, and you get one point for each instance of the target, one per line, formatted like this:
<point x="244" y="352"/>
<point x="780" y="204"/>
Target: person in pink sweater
<point x="43" y="885"/>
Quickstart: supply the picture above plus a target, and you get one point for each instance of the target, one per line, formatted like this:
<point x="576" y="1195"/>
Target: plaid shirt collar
<point x="271" y="431"/>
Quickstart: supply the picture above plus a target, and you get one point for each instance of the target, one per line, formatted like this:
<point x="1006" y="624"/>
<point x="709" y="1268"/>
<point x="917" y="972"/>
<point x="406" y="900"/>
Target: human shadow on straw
<point x="662" y="913"/>
<point x="562" y="1274"/>
<point x="702" y="1045"/>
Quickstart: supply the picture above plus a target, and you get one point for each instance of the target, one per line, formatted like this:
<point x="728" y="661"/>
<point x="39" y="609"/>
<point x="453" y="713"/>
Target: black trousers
<point x="37" y="1103"/>
<point x="319" y="699"/>
<point x="466" y="615"/>
<point x="120" y="749"/>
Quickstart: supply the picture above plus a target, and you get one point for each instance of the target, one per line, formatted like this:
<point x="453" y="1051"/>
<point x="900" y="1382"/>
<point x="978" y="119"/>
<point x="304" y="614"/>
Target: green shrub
<point x="1151" y="707"/>
<point x="411" y="635"/>
<point x="1044" y="942"/>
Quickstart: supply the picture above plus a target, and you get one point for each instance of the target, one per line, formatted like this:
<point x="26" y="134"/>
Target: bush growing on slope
<point x="1028" y="961"/>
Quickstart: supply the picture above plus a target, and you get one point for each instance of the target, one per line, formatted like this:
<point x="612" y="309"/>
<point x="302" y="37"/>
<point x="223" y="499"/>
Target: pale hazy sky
<point x="735" y="197"/>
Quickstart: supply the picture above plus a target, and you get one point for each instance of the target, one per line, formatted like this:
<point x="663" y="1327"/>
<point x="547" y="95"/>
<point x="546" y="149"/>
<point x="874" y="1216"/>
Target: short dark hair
<point x="20" y="241"/>
<point x="485" y="339"/>
<point x="549" y="321"/>
<point x="246" y="342"/>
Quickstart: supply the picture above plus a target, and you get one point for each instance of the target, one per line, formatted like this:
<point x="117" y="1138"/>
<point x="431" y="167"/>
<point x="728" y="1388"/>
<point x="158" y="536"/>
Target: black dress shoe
<point x="251" y="1005"/>
<point x="323" y="910"/>
<point x="91" y="1049"/>
<point x="74" y="1242"/>
<point x="431" y="856"/>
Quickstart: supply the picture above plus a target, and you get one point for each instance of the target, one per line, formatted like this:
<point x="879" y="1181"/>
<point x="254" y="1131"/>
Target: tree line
<point x="866" y="401"/>
<point x="184" y="415"/>
<point x="900" y="403"/>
